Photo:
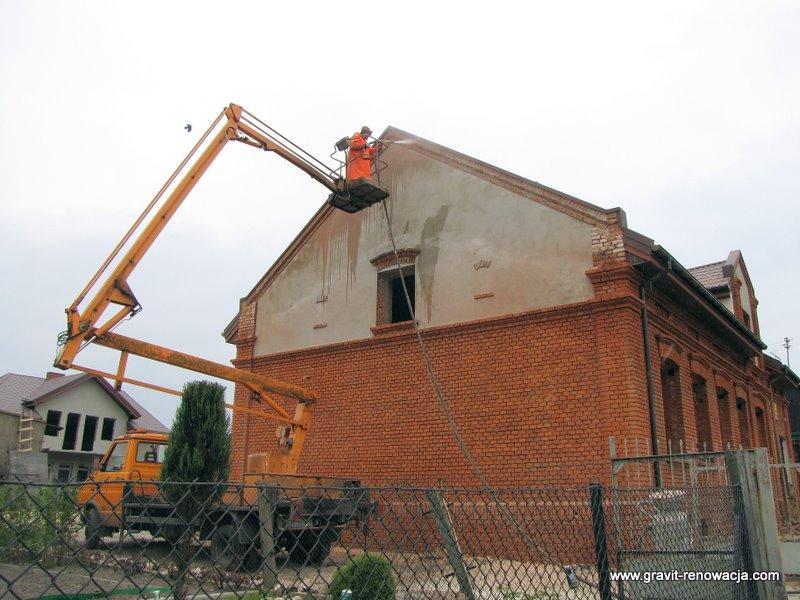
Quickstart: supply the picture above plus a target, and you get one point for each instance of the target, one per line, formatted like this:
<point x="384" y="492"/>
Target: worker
<point x="360" y="155"/>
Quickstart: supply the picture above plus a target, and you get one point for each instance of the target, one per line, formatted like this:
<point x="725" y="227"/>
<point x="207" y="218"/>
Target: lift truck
<point x="94" y="324"/>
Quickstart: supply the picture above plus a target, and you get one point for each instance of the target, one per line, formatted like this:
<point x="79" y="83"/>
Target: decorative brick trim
<point x="408" y="256"/>
<point x="388" y="328"/>
<point x="566" y="311"/>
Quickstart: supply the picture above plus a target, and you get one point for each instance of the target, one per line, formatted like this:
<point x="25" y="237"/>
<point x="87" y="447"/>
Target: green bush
<point x="368" y="577"/>
<point x="38" y="522"/>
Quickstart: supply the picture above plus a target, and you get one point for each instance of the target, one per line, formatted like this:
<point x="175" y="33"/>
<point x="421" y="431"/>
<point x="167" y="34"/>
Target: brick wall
<point x="536" y="395"/>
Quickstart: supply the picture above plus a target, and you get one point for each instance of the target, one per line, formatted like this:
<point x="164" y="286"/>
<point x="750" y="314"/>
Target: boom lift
<point x="90" y="325"/>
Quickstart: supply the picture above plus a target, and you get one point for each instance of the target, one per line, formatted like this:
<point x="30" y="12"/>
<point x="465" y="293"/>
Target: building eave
<point x="683" y="279"/>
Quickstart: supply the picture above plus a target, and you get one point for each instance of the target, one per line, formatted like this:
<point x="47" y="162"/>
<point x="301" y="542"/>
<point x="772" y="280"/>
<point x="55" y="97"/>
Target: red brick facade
<point x="536" y="395"/>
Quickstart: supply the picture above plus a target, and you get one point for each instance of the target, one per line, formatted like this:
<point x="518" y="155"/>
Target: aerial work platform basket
<point x="356" y="195"/>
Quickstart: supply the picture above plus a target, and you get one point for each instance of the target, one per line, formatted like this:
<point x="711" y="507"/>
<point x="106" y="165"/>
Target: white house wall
<point x="536" y="256"/>
<point x="85" y="399"/>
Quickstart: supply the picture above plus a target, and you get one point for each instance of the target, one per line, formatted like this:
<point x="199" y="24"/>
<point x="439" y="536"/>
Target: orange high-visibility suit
<point x="359" y="158"/>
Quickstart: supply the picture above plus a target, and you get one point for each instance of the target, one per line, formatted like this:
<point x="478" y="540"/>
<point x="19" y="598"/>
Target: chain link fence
<point x="204" y="540"/>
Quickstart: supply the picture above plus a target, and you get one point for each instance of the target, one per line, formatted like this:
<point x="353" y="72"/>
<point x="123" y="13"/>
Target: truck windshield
<point x="116" y="459"/>
<point x="150" y="452"/>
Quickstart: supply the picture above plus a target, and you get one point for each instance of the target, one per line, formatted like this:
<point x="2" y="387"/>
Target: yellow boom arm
<point x="92" y="325"/>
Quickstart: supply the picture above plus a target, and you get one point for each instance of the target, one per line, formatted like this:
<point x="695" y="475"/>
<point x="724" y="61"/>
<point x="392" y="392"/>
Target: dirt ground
<point x="134" y="565"/>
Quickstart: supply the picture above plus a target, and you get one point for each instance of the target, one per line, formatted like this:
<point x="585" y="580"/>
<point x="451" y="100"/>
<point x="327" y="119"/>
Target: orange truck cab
<point x="135" y="456"/>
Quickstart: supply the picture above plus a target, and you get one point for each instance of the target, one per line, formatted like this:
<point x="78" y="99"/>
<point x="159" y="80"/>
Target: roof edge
<point x="515" y="183"/>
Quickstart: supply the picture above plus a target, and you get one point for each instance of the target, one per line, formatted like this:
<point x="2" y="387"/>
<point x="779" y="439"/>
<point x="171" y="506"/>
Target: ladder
<point x="25" y="435"/>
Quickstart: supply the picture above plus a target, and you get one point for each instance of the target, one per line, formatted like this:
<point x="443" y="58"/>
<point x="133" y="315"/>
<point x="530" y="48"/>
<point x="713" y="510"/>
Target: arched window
<point x="724" y="410"/>
<point x="761" y="429"/>
<point x="673" y="407"/>
<point x="702" y="413"/>
<point x="744" y="424"/>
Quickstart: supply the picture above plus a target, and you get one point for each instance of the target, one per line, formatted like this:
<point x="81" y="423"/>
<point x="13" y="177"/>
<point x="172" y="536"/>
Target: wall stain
<point x="335" y="250"/>
<point x="429" y="257"/>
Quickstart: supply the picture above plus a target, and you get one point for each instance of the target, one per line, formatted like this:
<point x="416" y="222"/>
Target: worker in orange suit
<point x="360" y="155"/>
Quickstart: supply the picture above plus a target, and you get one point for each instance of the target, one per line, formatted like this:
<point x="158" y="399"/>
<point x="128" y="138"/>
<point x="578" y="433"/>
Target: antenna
<point x="787" y="344"/>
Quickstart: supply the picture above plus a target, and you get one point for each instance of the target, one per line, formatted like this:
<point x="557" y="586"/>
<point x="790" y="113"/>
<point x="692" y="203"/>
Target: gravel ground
<point x="132" y="565"/>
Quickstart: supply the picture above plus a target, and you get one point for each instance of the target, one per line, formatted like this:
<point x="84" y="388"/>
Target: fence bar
<point x="600" y="543"/>
<point x="267" y="501"/>
<point x="450" y="541"/>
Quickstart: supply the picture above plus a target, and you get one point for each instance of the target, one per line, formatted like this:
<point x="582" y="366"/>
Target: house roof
<point x="710" y="275"/>
<point x="18" y="391"/>
<point x="146" y="420"/>
<point x="780" y="372"/>
<point x="14" y="388"/>
<point x="58" y="385"/>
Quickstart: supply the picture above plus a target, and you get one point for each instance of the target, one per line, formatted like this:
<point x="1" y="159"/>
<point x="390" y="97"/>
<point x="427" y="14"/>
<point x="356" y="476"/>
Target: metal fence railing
<point x="212" y="540"/>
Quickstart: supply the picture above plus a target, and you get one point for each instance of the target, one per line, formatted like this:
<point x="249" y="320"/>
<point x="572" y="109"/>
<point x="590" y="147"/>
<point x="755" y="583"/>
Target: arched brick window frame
<point x="388" y="275"/>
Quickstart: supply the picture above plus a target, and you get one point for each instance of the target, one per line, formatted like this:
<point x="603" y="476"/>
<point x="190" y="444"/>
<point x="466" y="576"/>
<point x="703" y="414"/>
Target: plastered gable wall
<point x="85" y="399"/>
<point x="537" y="258"/>
<point x="744" y="291"/>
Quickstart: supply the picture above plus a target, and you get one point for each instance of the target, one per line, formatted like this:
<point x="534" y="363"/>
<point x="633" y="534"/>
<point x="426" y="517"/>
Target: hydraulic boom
<point x="92" y="324"/>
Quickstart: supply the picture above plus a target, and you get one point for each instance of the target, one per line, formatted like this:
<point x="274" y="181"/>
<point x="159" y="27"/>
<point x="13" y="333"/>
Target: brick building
<point x="530" y="302"/>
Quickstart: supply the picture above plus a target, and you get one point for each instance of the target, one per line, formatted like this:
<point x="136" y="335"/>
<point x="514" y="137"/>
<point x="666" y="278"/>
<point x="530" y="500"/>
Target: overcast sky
<point x="685" y="114"/>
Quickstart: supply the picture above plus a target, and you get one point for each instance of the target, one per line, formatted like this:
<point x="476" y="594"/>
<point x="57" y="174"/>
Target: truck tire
<point x="94" y="530"/>
<point x="311" y="548"/>
<point x="229" y="553"/>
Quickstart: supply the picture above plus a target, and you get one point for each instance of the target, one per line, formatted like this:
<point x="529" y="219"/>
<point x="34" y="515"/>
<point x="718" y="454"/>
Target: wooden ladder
<point x="25" y="437"/>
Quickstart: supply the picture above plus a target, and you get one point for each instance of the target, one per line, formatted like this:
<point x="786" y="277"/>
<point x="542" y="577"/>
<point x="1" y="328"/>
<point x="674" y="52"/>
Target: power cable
<point x="446" y="409"/>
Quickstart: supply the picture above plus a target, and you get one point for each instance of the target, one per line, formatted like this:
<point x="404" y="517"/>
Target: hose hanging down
<point x="445" y="406"/>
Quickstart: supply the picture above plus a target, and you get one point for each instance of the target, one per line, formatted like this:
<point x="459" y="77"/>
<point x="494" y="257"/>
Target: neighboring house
<point x="59" y="426"/>
<point x="787" y="382"/>
<point x="530" y="304"/>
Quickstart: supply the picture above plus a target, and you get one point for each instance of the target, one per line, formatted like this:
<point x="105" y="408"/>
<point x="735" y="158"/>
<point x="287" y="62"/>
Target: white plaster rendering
<point x="538" y="257"/>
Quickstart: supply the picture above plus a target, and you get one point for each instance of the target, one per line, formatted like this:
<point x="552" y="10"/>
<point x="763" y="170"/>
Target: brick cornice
<point x="613" y="271"/>
<point x="568" y="311"/>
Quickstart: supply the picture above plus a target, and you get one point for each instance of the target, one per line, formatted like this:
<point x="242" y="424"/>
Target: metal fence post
<point x="600" y="542"/>
<point x="746" y="469"/>
<point x="769" y="524"/>
<point x="267" y="501"/>
<point x="450" y="541"/>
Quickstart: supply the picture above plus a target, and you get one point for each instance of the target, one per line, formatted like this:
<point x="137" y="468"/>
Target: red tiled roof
<point x="710" y="275"/>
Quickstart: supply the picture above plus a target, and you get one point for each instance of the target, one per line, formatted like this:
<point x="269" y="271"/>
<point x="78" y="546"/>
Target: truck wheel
<point x="311" y="548"/>
<point x="94" y="529"/>
<point x="231" y="554"/>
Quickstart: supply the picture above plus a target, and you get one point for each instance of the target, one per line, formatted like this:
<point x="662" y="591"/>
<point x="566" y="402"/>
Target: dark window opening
<point x="400" y="310"/>
<point x="53" y="425"/>
<point x="702" y="414"/>
<point x="63" y="473"/>
<point x="744" y="425"/>
<point x="747" y="320"/>
<point x="82" y="474"/>
<point x="673" y="406"/>
<point x="108" y="429"/>
<point x="71" y="431"/>
<point x="89" y="433"/>
<point x="724" y="411"/>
